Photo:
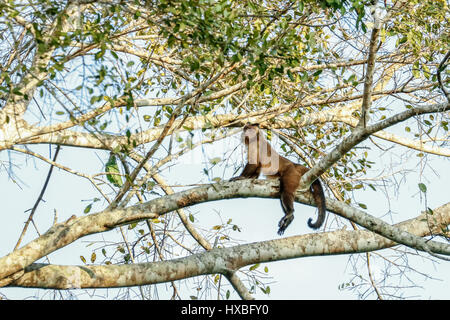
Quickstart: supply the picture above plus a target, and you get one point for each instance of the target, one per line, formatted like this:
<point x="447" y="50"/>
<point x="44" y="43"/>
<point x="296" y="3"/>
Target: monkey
<point x="262" y="158"/>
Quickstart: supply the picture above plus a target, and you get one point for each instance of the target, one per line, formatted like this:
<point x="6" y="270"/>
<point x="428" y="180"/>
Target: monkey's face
<point x="250" y="133"/>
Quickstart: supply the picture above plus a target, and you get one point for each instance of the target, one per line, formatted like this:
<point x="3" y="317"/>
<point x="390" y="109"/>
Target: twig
<point x="181" y="103"/>
<point x="30" y="217"/>
<point x="380" y="297"/>
<point x="441" y="67"/>
<point x="158" y="250"/>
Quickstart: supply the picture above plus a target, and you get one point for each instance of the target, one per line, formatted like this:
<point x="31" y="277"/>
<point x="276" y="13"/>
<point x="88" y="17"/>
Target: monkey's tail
<point x="319" y="199"/>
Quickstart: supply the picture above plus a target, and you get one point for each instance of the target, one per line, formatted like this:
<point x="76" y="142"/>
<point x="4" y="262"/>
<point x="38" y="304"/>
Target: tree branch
<point x="440" y="68"/>
<point x="360" y="134"/>
<point x="219" y="260"/>
<point x="368" y="81"/>
<point x="67" y="232"/>
<point x="39" y="199"/>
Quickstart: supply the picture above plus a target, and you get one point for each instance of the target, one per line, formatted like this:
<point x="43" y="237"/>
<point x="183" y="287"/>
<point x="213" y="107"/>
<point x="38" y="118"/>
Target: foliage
<point x="156" y="80"/>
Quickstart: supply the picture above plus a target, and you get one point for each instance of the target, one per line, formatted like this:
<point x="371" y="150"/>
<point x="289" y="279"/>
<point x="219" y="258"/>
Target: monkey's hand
<point x="284" y="223"/>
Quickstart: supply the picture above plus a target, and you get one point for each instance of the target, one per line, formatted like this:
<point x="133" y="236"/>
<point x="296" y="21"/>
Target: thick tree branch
<point x="65" y="233"/>
<point x="67" y="137"/>
<point x="224" y="259"/>
<point x="360" y="134"/>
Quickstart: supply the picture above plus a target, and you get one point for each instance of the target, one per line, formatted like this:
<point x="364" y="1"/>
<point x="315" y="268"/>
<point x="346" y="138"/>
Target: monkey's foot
<point x="284" y="223"/>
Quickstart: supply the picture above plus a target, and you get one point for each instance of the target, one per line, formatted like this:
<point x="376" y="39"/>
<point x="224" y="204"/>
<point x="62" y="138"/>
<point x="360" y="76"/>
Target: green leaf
<point x="290" y="75"/>
<point x="215" y="160"/>
<point x="253" y="267"/>
<point x="266" y="290"/>
<point x="111" y="166"/>
<point x="17" y="92"/>
<point x="99" y="54"/>
<point x="422" y="187"/>
<point x="131" y="226"/>
<point x="88" y="208"/>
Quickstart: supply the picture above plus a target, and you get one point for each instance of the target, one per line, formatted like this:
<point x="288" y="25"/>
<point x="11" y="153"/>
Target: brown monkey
<point x="262" y="158"/>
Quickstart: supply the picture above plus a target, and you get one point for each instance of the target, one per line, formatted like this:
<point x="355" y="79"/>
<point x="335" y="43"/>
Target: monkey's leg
<point x="289" y="181"/>
<point x="250" y="171"/>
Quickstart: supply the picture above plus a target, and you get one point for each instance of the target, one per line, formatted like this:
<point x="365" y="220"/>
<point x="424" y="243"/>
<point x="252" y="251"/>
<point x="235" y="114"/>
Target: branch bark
<point x="224" y="259"/>
<point x="360" y="134"/>
<point x="368" y="81"/>
<point x="67" y="232"/>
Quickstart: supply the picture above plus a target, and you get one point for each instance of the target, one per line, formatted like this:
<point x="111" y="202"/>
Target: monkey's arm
<point x="251" y="171"/>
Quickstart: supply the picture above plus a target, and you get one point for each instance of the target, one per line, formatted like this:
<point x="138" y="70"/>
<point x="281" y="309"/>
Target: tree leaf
<point x="253" y="267"/>
<point x="111" y="166"/>
<point x="88" y="208"/>
<point x="362" y="205"/>
<point x="422" y="187"/>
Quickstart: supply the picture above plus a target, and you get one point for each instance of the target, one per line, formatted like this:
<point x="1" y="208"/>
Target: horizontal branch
<point x="67" y="232"/>
<point x="58" y="134"/>
<point x="221" y="260"/>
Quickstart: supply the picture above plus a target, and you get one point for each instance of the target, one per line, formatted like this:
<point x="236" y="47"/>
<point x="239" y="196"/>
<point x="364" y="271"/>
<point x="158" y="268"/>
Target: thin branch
<point x="39" y="199"/>
<point x="188" y="98"/>
<point x="59" y="166"/>
<point x="372" y="281"/>
<point x="368" y="82"/>
<point x="442" y="67"/>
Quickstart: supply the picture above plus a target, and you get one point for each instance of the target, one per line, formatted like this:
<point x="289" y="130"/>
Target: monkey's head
<point x="250" y="133"/>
